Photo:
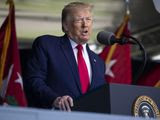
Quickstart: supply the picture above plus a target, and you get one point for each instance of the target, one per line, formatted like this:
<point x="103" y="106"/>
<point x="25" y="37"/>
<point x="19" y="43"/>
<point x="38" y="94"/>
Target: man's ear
<point x="65" y="27"/>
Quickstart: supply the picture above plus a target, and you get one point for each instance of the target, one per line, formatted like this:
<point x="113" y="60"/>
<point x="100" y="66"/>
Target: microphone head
<point x="107" y="38"/>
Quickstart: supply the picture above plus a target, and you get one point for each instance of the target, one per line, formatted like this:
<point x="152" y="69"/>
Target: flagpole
<point x="5" y="43"/>
<point x="120" y="31"/>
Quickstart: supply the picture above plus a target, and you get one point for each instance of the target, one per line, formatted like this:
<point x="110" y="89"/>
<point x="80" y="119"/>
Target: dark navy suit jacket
<point x="52" y="70"/>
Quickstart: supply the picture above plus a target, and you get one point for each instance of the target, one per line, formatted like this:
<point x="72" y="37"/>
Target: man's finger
<point x="62" y="105"/>
<point x="70" y="100"/>
<point x="67" y="105"/>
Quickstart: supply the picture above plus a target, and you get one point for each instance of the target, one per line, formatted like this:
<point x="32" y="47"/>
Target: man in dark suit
<point x="54" y="71"/>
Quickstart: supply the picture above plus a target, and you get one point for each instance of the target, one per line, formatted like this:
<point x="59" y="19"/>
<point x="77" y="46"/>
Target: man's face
<point x="79" y="25"/>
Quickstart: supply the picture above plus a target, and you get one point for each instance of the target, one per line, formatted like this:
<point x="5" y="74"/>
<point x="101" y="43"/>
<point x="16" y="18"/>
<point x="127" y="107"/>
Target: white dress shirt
<point x="85" y="56"/>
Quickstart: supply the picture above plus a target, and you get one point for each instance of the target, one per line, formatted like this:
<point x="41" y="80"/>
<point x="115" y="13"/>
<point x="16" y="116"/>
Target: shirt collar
<point x="74" y="44"/>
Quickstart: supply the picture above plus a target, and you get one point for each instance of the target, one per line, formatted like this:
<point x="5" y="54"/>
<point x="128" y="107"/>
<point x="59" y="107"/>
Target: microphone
<point x="108" y="38"/>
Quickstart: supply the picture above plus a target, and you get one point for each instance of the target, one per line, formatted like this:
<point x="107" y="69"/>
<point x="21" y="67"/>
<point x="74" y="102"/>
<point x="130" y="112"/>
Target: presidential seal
<point x="144" y="106"/>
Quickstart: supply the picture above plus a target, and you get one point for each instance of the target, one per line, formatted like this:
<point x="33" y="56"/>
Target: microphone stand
<point x="144" y="54"/>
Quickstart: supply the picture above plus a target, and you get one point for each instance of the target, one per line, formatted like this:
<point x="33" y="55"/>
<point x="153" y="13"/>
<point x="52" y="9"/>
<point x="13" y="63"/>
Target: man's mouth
<point x="85" y="32"/>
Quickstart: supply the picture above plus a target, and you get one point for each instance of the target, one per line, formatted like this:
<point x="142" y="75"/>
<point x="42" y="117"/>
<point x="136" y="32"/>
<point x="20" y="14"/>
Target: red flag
<point x="117" y="58"/>
<point x="11" y="85"/>
<point x="150" y="77"/>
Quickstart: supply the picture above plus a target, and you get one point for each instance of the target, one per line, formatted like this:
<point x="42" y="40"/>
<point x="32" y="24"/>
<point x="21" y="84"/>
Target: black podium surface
<point x="115" y="99"/>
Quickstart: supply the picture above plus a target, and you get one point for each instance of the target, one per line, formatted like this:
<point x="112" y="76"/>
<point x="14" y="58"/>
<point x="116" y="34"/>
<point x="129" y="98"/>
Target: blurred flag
<point x="150" y="76"/>
<point x="117" y="58"/>
<point x="11" y="85"/>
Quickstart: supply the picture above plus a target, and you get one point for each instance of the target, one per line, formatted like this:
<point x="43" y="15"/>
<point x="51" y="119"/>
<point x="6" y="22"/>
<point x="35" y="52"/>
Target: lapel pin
<point x="94" y="60"/>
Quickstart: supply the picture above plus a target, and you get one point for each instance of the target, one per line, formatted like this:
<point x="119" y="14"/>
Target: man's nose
<point x="84" y="22"/>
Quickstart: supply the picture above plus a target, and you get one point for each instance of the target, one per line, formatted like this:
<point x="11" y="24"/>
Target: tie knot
<point x="79" y="47"/>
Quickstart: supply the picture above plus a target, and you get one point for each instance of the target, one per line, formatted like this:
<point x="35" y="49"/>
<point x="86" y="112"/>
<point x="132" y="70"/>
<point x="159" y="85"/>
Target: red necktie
<point x="83" y="71"/>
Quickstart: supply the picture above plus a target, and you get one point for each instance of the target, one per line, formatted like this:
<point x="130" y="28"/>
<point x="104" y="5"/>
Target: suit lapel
<point x="68" y="52"/>
<point x="93" y="62"/>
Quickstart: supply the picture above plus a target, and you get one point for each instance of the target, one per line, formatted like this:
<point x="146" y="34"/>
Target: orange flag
<point x="117" y="58"/>
<point x="11" y="84"/>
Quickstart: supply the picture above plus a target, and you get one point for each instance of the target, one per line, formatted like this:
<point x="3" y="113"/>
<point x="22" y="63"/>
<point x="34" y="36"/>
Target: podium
<point x="115" y="99"/>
